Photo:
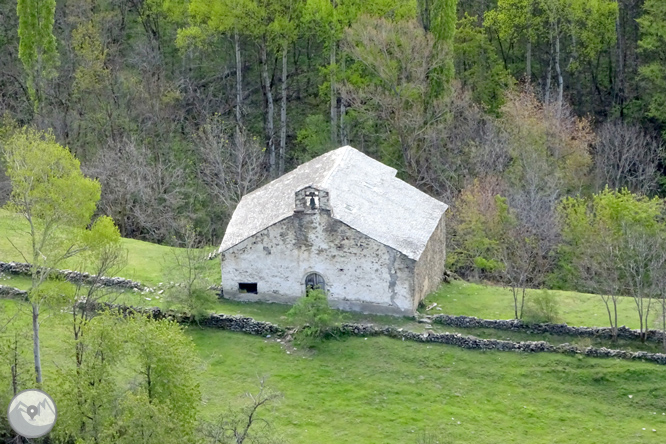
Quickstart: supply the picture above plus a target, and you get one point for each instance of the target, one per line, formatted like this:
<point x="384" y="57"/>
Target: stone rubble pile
<point x="74" y="276"/>
<point x="553" y="329"/>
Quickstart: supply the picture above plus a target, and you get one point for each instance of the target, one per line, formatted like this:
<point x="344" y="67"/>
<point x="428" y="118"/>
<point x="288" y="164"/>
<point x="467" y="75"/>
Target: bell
<point x="312" y="203"/>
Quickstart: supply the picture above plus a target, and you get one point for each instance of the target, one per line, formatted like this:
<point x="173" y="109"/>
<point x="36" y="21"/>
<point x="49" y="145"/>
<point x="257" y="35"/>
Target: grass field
<point x="147" y="263"/>
<point x="495" y="302"/>
<point x="381" y="390"/>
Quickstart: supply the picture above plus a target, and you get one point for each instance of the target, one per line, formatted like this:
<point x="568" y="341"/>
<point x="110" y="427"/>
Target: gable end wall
<point x="361" y="274"/>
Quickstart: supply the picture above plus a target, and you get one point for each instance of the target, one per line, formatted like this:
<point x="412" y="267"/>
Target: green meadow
<point x="382" y="390"/>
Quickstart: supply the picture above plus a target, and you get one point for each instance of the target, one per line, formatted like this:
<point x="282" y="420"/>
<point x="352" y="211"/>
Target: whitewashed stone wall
<point x="361" y="274"/>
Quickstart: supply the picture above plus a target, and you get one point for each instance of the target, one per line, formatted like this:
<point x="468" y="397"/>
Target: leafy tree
<point x="37" y="47"/>
<point x="166" y="369"/>
<point x="313" y="316"/>
<point x="613" y="247"/>
<point x="652" y="45"/>
<point x="86" y="391"/>
<point x="477" y="65"/>
<point x="136" y="382"/>
<point x="386" y="86"/>
<point x="439" y="18"/>
<point x="57" y="201"/>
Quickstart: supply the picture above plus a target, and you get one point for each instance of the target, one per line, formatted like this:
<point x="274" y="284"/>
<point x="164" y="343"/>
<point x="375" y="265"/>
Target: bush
<point x="313" y="316"/>
<point x="541" y="308"/>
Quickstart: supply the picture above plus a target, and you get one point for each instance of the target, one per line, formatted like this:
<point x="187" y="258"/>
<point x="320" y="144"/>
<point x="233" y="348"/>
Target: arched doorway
<point x="315" y="281"/>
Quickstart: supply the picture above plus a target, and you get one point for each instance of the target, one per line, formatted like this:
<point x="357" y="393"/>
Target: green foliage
<point x="313" y="316"/>
<point x="37" y="45"/>
<point x="159" y="405"/>
<point x="442" y="25"/>
<point x="47" y="184"/>
<point x="478" y="67"/>
<point x="652" y="45"/>
<point x="542" y="307"/>
<point x="313" y="139"/>
<point x="189" y="275"/>
<point x="478" y="230"/>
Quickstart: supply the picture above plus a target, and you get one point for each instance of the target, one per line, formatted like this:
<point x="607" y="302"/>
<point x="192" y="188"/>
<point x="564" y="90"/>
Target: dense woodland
<point x="180" y="108"/>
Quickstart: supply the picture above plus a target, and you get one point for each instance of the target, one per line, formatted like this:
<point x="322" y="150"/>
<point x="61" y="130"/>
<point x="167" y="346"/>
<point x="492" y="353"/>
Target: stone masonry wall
<point x="553" y="329"/>
<point x="73" y="276"/>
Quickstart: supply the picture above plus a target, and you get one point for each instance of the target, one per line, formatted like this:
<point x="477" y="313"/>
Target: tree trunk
<point x="560" y="82"/>
<point x="35" y="341"/>
<point x="269" y="105"/>
<point x="283" y="112"/>
<point x="549" y="72"/>
<point x="334" y="97"/>
<point x="343" y="113"/>
<point x="619" y="81"/>
<point x="528" y="61"/>
<point x="239" y="87"/>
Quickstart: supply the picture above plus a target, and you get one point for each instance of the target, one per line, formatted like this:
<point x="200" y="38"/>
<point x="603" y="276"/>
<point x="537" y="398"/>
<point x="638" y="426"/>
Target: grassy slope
<point x="490" y="302"/>
<point x="382" y="390"/>
<point x="145" y="261"/>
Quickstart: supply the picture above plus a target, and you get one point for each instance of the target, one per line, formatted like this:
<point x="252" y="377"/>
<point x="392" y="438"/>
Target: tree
<point x="652" y="45"/>
<point x="438" y="17"/>
<point x="57" y="201"/>
<point x="87" y="391"/>
<point x="393" y="63"/>
<point x="313" y="316"/>
<point x="613" y="247"/>
<point x="625" y="156"/>
<point x="37" y="47"/>
<point x="329" y="18"/>
<point x="229" y="169"/>
<point x="477" y="65"/>
<point x="189" y="275"/>
<point x="244" y="425"/>
<point x="166" y="369"/>
<point x="154" y="401"/>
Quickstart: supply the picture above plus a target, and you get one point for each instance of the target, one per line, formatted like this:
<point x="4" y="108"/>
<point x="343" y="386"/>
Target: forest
<point x="525" y="116"/>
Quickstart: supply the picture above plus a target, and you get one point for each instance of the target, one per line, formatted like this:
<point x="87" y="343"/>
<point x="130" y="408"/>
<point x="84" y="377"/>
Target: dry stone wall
<point x="73" y="276"/>
<point x="251" y="326"/>
<point x="553" y="329"/>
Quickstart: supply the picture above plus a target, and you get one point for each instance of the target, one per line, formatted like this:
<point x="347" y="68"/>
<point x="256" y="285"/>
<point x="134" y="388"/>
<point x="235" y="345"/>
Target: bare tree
<point x="144" y="194"/>
<point x="599" y="274"/>
<point x="642" y="265"/>
<point x="188" y="272"/>
<point x="244" y="425"/>
<point x="626" y="156"/>
<point x="229" y="168"/>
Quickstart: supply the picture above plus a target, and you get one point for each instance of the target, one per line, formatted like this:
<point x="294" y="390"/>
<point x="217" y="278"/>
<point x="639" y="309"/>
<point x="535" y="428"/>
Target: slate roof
<point x="363" y="193"/>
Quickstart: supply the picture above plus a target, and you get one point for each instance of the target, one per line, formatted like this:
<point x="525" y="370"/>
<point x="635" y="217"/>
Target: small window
<point x="247" y="287"/>
<point x="315" y="281"/>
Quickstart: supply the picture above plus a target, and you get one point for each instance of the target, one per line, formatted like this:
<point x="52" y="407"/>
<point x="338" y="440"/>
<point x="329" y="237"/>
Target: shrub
<point x="313" y="316"/>
<point x="542" y="307"/>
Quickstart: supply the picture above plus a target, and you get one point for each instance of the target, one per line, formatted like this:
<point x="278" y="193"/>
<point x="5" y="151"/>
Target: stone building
<point x="344" y="223"/>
